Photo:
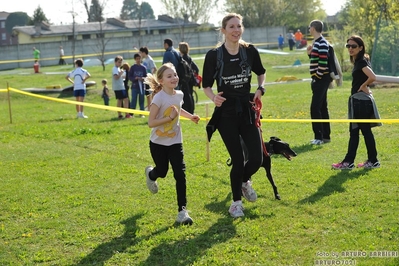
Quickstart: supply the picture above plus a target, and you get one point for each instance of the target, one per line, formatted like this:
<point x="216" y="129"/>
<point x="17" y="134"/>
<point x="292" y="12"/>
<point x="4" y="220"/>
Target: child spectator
<point x="80" y="76"/>
<point x="126" y="68"/>
<point x="119" y="88"/>
<point x="149" y="63"/>
<point x="137" y="73"/>
<point x="166" y="140"/>
<point x="105" y="94"/>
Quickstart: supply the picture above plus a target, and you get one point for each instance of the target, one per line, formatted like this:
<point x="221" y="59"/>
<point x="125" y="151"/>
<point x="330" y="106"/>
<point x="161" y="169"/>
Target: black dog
<point x="274" y="146"/>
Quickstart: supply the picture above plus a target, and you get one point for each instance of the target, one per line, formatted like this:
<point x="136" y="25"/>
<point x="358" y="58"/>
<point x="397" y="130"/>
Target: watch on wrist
<point x="262" y="89"/>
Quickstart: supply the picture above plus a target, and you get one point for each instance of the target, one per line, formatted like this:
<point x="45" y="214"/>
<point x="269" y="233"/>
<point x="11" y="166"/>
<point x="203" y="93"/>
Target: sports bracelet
<point x="262" y="89"/>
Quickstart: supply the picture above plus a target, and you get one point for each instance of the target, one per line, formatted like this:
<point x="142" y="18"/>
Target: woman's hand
<point x="218" y="99"/>
<point x="365" y="89"/>
<point x="258" y="95"/>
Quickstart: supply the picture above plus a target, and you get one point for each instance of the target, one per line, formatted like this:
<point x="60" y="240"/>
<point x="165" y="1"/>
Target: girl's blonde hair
<point x="153" y="81"/>
<point x="224" y="25"/>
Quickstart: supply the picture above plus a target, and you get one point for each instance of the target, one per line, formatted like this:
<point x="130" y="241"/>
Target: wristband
<point x="262" y="89"/>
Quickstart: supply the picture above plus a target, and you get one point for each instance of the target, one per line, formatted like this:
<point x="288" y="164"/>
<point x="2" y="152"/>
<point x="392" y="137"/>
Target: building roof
<point x="3" y="15"/>
<point x="110" y="25"/>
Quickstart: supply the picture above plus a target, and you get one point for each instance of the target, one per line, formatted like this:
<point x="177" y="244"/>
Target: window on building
<point x="86" y="36"/>
<point x="163" y="31"/>
<point x="3" y="36"/>
<point x="70" y="37"/>
<point x="136" y="33"/>
<point x="3" y="24"/>
<point x="100" y="35"/>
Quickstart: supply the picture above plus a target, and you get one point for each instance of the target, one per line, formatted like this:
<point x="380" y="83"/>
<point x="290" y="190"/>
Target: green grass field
<point x="73" y="191"/>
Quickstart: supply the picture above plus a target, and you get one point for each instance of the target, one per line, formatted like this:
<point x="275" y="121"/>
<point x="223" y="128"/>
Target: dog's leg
<point x="267" y="164"/>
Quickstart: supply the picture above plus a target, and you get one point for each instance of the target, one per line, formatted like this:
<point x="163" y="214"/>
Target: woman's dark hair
<point x="359" y="41"/>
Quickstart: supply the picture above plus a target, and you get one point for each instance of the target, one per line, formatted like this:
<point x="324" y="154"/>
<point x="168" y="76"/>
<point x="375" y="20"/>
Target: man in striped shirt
<point x="318" y="54"/>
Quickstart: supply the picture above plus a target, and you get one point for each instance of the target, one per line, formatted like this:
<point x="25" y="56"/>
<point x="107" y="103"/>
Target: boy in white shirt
<point x="79" y="76"/>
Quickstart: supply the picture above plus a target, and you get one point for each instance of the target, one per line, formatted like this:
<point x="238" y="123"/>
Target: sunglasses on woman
<point x="353" y="46"/>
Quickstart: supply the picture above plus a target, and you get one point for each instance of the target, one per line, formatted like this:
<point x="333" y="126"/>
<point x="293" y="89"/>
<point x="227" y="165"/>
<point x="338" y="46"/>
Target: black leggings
<point x="230" y="129"/>
<point x="162" y="155"/>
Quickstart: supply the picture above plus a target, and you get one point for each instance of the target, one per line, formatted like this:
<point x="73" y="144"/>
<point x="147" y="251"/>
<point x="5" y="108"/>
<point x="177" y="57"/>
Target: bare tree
<point x="194" y="10"/>
<point x="96" y="14"/>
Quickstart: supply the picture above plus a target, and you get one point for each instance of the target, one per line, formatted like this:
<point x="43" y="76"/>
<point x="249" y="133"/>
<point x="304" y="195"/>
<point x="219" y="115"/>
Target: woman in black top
<point x="187" y="88"/>
<point x="361" y="106"/>
<point x="233" y="116"/>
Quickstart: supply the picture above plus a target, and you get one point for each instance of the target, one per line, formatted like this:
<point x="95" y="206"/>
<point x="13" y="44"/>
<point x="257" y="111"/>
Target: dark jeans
<point x="291" y="44"/>
<point x="230" y="129"/>
<point x="319" y="109"/>
<point x="137" y="93"/>
<point x="106" y="100"/>
<point x="361" y="110"/>
<point x="162" y="155"/>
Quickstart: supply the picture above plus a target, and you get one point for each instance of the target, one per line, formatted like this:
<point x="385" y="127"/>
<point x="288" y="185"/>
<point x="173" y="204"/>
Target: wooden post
<point x="207" y="141"/>
<point x="9" y="102"/>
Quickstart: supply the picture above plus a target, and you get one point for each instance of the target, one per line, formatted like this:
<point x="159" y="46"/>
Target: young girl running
<point x="166" y="140"/>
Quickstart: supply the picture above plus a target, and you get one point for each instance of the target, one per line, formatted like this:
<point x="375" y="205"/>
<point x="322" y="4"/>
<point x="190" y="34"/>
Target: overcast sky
<point x="59" y="11"/>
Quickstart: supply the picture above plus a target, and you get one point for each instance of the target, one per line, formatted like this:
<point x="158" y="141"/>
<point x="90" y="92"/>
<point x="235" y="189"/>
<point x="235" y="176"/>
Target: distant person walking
<point x="36" y="54"/>
<point x="291" y="40"/>
<point x="79" y="76"/>
<point x="298" y="37"/>
<point x="280" y="40"/>
<point x="61" y="61"/>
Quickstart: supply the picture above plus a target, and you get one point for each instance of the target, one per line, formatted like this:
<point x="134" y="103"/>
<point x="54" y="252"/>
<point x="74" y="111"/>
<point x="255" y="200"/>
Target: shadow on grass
<point x="187" y="251"/>
<point x="305" y="148"/>
<point x="102" y="253"/>
<point x="333" y="184"/>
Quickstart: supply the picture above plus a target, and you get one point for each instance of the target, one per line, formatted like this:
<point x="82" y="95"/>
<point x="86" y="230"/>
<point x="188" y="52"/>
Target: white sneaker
<point x="151" y="185"/>
<point x="248" y="192"/>
<point x="236" y="209"/>
<point x="81" y="115"/>
<point x="183" y="217"/>
<point x="316" y="142"/>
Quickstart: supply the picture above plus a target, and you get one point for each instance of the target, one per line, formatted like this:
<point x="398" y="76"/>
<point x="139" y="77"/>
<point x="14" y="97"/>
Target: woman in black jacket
<point x="232" y="65"/>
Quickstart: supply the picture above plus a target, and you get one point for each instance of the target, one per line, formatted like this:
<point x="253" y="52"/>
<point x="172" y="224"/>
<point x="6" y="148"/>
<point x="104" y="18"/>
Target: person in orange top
<point x="298" y="37"/>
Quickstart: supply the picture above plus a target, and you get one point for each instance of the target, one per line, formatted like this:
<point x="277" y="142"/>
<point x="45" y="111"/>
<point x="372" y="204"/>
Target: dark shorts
<point x="120" y="95"/>
<point x="79" y="93"/>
